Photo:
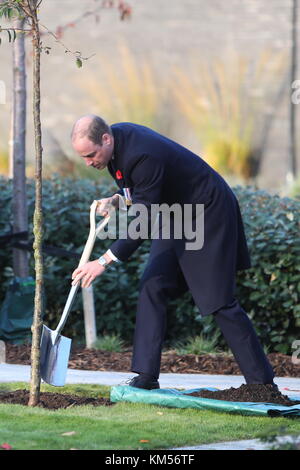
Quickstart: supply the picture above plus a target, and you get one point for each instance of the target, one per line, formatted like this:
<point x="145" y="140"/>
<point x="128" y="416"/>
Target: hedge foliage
<point x="269" y="291"/>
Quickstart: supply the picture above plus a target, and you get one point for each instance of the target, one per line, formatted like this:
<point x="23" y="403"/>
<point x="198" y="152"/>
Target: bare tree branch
<point x="76" y="53"/>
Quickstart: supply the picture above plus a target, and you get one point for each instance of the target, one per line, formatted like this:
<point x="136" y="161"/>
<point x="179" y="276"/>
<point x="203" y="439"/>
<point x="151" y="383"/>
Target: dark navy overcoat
<point x="158" y="171"/>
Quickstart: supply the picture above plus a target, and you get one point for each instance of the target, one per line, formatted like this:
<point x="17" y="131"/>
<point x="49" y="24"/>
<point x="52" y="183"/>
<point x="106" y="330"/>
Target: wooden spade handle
<point x="84" y="259"/>
<point x="93" y="233"/>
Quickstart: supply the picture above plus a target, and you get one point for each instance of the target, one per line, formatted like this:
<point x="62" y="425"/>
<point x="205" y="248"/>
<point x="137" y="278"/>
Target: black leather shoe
<point x="275" y="387"/>
<point x="141" y="381"/>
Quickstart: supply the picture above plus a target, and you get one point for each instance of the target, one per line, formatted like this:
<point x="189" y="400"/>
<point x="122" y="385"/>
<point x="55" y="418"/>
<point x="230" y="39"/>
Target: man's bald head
<point x="93" y="140"/>
<point x="91" y="126"/>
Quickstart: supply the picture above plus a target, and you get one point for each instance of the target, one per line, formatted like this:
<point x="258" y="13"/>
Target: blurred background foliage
<point x="224" y="105"/>
<point x="129" y="89"/>
<point x="223" y="101"/>
<point x="125" y="90"/>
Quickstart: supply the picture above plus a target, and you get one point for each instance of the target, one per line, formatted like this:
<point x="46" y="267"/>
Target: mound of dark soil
<point x="93" y="359"/>
<point x="52" y="401"/>
<point x="249" y="393"/>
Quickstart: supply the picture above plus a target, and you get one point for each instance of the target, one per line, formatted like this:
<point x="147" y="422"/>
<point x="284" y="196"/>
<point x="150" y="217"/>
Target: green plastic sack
<point x="16" y="313"/>
<point x="180" y="399"/>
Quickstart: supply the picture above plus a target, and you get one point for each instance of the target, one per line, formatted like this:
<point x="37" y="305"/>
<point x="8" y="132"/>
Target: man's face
<point x="95" y="155"/>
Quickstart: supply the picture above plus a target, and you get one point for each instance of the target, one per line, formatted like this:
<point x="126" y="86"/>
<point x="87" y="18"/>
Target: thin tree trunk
<point x="292" y="170"/>
<point x="20" y="212"/>
<point x="35" y="381"/>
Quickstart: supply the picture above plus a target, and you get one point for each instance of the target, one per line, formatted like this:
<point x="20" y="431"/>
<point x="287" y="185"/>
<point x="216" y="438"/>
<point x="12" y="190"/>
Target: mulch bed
<point x="52" y="401"/>
<point x="93" y="359"/>
<point x="248" y="393"/>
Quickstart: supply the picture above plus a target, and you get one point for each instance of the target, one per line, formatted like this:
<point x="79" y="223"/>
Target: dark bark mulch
<point x="52" y="401"/>
<point x="248" y="393"/>
<point x="93" y="359"/>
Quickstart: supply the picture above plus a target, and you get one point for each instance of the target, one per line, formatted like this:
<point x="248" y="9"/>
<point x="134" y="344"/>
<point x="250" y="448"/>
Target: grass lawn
<point x="124" y="425"/>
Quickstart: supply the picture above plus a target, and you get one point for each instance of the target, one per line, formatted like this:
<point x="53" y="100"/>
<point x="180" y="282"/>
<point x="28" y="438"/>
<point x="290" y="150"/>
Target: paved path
<point x="249" y="444"/>
<point x="20" y="373"/>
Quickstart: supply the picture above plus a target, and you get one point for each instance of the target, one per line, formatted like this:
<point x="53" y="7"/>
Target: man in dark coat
<point x="152" y="170"/>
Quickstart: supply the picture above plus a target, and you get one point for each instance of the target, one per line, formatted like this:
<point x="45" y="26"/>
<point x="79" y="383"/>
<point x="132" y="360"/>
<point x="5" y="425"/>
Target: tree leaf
<point x="79" y="62"/>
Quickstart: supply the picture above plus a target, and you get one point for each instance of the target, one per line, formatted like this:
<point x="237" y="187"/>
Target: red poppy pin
<point x="119" y="175"/>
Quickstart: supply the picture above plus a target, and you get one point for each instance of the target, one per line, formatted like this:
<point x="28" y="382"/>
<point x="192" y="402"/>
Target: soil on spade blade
<point x="248" y="393"/>
<point x="52" y="401"/>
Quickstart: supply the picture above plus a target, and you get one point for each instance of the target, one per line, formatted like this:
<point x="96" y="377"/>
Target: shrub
<point x="199" y="344"/>
<point x="269" y="291"/>
<point x="66" y="204"/>
<point x="113" y="343"/>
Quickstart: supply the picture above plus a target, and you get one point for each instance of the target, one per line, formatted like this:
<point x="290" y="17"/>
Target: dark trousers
<point x="242" y="339"/>
<point x="162" y="281"/>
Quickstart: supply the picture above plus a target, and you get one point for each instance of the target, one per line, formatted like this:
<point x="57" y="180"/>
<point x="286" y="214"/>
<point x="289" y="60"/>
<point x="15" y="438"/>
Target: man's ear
<point x="106" y="139"/>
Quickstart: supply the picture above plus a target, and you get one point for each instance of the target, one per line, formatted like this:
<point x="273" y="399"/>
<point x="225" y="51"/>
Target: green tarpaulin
<point x="180" y="399"/>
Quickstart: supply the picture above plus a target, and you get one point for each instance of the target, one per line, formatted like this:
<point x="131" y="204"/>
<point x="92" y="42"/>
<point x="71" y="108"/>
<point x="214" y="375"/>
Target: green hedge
<point x="269" y="291"/>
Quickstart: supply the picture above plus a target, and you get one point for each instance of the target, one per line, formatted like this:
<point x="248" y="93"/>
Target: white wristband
<point x="112" y="256"/>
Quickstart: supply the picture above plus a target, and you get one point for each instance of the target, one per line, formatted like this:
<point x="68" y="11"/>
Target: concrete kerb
<point x="21" y="373"/>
